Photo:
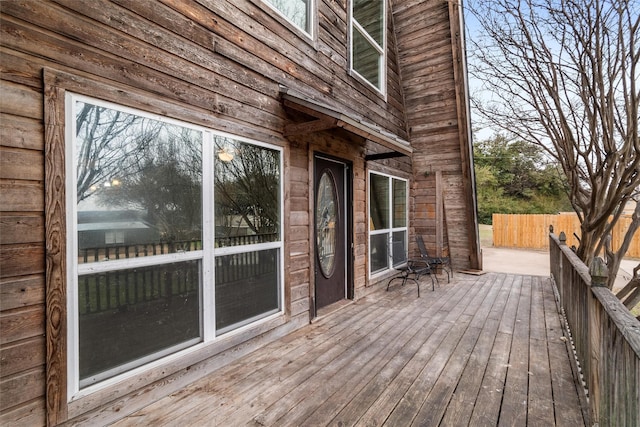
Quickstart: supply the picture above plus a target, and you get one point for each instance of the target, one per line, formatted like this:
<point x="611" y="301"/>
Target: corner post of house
<point x="599" y="274"/>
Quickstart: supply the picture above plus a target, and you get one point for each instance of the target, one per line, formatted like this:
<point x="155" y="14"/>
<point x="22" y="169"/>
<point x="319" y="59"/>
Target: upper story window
<point x="298" y="12"/>
<point x="368" y="41"/>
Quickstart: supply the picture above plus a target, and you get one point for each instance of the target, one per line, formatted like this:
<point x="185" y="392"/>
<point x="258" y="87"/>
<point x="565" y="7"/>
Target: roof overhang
<point x="326" y="117"/>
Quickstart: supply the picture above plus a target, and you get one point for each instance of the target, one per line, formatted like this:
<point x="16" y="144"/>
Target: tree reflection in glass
<point x="139" y="182"/>
<point x="247" y="193"/>
<point x="298" y="11"/>
<point x="139" y="194"/>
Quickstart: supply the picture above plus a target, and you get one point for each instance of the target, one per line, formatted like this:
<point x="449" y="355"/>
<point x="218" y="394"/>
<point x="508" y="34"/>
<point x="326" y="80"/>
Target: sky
<point x="472" y="28"/>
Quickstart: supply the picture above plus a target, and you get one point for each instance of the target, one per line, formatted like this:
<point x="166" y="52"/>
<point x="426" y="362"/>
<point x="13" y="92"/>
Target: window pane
<point x="379" y="252"/>
<point x="298" y="12"/>
<point x="247" y="193"/>
<point x="138" y="313"/>
<point x="139" y="185"/>
<point x="246" y="288"/>
<point x="399" y="258"/>
<point x="399" y="203"/>
<point x="368" y="13"/>
<point x="379" y="201"/>
<point x="366" y="59"/>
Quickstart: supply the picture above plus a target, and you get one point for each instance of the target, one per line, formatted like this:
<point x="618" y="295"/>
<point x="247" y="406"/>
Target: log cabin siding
<point x="217" y="64"/>
<point x="22" y="284"/>
<point x="427" y="57"/>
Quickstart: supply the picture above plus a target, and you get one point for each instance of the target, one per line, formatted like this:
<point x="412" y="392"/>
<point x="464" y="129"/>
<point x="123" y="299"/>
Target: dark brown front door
<point x="331" y="219"/>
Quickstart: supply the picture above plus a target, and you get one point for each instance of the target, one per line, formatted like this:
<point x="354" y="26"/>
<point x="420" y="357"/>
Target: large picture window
<point x="298" y="12"/>
<point x="174" y="237"/>
<point x="368" y="41"/>
<point x="387" y="221"/>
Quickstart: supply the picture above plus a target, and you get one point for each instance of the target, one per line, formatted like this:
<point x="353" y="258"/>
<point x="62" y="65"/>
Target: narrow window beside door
<point x="387" y="221"/>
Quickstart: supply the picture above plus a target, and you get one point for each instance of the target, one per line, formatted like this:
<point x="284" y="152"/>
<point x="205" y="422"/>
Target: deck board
<point x="468" y="387"/>
<point x="455" y="392"/>
<point x="514" y="402"/>
<point x="288" y="384"/>
<point x="378" y="384"/>
<point x="400" y="391"/>
<point x="482" y="350"/>
<point x="540" y="404"/>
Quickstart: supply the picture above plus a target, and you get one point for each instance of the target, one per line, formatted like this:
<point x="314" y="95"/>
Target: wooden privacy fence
<point x="530" y="231"/>
<point x="605" y="336"/>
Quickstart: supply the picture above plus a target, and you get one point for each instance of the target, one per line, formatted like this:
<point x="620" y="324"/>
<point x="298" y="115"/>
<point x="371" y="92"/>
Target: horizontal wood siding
<point x="22" y="289"/>
<point x="427" y="68"/>
<point x="298" y="234"/>
<point x="215" y="63"/>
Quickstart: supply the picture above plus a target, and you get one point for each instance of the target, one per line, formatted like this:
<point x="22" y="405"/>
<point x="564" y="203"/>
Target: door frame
<point x="349" y="226"/>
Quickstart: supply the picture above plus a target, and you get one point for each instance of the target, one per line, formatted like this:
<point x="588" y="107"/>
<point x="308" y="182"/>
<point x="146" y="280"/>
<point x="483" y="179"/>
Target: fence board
<point x="531" y="231"/>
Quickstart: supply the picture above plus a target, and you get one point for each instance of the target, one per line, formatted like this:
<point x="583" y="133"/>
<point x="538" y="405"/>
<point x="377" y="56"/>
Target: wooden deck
<point x="483" y="350"/>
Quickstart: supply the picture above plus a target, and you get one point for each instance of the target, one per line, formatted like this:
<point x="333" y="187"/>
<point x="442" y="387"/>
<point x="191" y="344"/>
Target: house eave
<point x="326" y="117"/>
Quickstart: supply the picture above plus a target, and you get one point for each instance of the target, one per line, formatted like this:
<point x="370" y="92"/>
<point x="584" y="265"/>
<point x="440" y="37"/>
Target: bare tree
<point x="164" y="179"/>
<point x="105" y="138"/>
<point x="247" y="185"/>
<point x="126" y="161"/>
<point x="565" y="75"/>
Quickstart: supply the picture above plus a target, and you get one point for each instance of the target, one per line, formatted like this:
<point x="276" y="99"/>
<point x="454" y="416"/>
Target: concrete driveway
<point x="522" y="261"/>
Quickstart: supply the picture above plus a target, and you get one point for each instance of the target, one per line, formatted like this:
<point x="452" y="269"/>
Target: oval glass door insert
<point x="326" y="222"/>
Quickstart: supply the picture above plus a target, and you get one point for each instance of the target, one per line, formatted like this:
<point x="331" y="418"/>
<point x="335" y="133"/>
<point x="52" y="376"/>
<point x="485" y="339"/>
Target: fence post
<point x="562" y="238"/>
<point x="599" y="273"/>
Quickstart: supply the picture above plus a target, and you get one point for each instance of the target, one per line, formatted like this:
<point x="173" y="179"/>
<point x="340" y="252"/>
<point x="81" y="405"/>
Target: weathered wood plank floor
<point x="485" y="350"/>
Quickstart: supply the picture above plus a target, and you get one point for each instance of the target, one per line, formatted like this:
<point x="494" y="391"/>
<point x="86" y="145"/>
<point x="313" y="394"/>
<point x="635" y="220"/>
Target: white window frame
<point x="389" y="231"/>
<point x="206" y="255"/>
<point x="310" y="17"/>
<point x="354" y="25"/>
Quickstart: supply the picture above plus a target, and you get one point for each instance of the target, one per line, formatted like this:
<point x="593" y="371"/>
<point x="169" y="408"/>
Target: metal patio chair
<point x="435" y="262"/>
<point x="412" y="269"/>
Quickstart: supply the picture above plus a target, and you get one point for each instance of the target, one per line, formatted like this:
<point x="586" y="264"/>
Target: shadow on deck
<point x="483" y="350"/>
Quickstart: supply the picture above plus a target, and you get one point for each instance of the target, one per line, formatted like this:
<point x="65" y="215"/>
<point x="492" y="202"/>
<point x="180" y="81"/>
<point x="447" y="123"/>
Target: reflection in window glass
<point x="138" y="185"/>
<point x="379" y="201"/>
<point x="297" y="11"/>
<point x="368" y="13"/>
<point x="246" y="288"/>
<point x="400" y="257"/>
<point x="142" y="230"/>
<point x="366" y="59"/>
<point x="379" y="250"/>
<point x="114" y="237"/>
<point x="388" y="217"/>
<point x="138" y="188"/>
<point x="247" y="212"/>
<point x="399" y="203"/>
<point x="368" y="40"/>
<point x="126" y="315"/>
<point x="247" y="193"/>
